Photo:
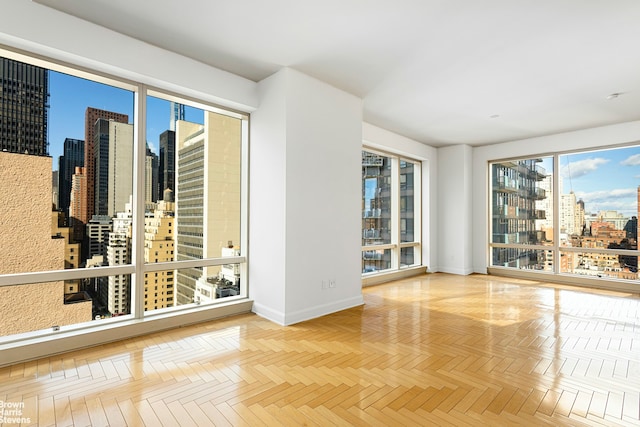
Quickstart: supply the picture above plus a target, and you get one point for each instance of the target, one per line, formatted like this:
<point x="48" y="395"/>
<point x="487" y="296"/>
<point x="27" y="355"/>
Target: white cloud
<point x="582" y="167"/>
<point x="623" y="200"/>
<point x="631" y="160"/>
<point x="607" y="195"/>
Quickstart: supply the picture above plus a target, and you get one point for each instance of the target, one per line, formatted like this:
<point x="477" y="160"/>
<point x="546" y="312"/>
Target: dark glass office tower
<point x="24" y="92"/>
<point x="73" y="156"/>
<point x="91" y="117"/>
<point x="167" y="170"/>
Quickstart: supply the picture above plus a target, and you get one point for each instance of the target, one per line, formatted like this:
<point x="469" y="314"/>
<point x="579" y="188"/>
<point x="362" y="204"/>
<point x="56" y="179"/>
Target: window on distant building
<point x="390" y="212"/>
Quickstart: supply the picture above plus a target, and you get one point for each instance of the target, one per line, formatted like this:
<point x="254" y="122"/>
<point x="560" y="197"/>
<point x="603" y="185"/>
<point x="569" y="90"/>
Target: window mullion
<point x="556" y="213"/>
<point x="139" y="156"/>
<point x="395" y="212"/>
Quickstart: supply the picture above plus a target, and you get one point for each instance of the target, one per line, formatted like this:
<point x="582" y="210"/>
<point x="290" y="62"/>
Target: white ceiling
<point x="438" y="71"/>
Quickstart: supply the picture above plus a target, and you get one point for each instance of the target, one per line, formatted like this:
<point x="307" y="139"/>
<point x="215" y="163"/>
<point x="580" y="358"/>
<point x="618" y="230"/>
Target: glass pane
<point x="210" y="284"/>
<point x="51" y="305"/>
<point x="407" y="202"/>
<point x="607" y="265"/>
<point x="193" y="194"/>
<point x="599" y="200"/>
<point x="62" y="163"/>
<point x="66" y="179"/>
<point x="376" y="260"/>
<point x="522" y="202"/>
<point x="527" y="259"/>
<point x="407" y="258"/>
<point x="376" y="199"/>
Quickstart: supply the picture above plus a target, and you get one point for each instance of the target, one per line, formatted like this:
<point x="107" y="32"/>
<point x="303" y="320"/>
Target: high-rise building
<point x="72" y="157"/>
<point x="117" y="292"/>
<point x="568" y="208"/>
<point x="91" y="116"/>
<point x="517" y="191"/>
<point x="166" y="172"/>
<point x="177" y="113"/>
<point x="151" y="192"/>
<point x="77" y="202"/>
<point x="207" y="195"/>
<point x="376" y="173"/>
<point x="159" y="247"/>
<point x="97" y="236"/>
<point x="55" y="189"/>
<point x="24" y="92"/>
<point x="27" y="246"/>
<point x="113" y="150"/>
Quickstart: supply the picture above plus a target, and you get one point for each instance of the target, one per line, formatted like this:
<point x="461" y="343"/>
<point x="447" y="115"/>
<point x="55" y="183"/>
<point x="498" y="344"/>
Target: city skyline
<point x="604" y="180"/>
<point x="70" y="96"/>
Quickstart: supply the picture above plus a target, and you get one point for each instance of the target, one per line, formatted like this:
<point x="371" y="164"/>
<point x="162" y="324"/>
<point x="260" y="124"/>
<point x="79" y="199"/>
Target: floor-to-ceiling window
<point x="569" y="214"/>
<point x="120" y="202"/>
<point x="390" y="212"/>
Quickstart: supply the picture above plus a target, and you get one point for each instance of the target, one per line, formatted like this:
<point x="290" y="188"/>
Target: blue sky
<point x="603" y="179"/>
<point x="70" y="96"/>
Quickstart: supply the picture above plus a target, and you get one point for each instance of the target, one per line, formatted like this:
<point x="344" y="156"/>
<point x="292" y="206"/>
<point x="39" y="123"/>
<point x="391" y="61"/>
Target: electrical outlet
<point x="325" y="284"/>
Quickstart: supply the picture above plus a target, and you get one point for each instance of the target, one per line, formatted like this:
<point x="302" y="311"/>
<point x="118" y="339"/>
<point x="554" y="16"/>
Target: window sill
<point x="65" y="341"/>
<point x="387" y="276"/>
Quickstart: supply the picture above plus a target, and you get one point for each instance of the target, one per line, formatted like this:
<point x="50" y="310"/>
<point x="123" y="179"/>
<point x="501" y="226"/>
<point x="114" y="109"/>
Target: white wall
<point x="47" y="32"/>
<point x="309" y="188"/>
<point x="305" y="157"/>
<point x="590" y="138"/>
<point x="382" y="139"/>
<point x="455" y="209"/>
<point x="267" y="204"/>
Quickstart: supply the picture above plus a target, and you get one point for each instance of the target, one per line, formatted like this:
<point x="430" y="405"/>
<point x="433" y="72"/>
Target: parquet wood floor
<point x="438" y="350"/>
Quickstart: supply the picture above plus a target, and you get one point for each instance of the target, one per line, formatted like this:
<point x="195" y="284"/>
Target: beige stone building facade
<point x="28" y="246"/>
<point x="207" y="195"/>
<point x="159" y="247"/>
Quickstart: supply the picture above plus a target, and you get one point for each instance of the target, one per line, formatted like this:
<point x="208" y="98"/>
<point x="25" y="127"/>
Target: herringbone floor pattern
<point x="433" y="350"/>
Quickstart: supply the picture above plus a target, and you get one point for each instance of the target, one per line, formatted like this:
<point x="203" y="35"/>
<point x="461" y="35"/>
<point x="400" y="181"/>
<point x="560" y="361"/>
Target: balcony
<point x="505" y="185"/>
<point x="372" y="213"/>
<point x="371" y="234"/>
<point x="539" y="193"/>
<point x="372" y="255"/>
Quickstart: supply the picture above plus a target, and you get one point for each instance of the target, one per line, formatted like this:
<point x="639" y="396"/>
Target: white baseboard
<point x="323" y="310"/>
<point x="286" y="319"/>
<point x="456" y="270"/>
<point x="268" y="313"/>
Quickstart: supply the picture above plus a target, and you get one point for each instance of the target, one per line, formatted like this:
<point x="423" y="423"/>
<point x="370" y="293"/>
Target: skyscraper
<point x="166" y="175"/>
<point x="516" y="192"/>
<point x="97" y="234"/>
<point x="207" y="196"/>
<point x="159" y="247"/>
<point x="116" y="292"/>
<point x="177" y="113"/>
<point x="77" y="201"/>
<point x="91" y="116"/>
<point x="24" y="92"/>
<point x="72" y="157"/>
<point x="151" y="177"/>
<point x="113" y="151"/>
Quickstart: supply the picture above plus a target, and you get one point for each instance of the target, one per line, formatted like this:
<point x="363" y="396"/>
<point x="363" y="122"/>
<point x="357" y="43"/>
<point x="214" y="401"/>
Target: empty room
<point x="319" y="213"/>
